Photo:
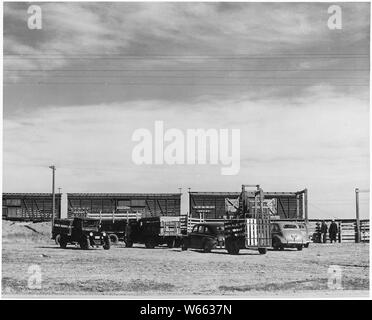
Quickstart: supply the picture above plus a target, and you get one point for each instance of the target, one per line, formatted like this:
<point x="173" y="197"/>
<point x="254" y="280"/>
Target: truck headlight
<point x="91" y="234"/>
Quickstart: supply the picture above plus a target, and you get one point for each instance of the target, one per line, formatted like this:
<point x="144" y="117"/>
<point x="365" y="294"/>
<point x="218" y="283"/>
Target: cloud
<point x="300" y="128"/>
<point x="322" y="144"/>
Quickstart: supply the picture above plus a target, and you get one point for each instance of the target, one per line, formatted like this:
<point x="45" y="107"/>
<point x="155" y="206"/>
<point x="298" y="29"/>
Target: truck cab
<point x="83" y="231"/>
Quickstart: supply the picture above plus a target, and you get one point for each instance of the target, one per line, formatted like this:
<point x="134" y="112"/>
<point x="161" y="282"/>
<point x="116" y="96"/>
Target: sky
<point x="77" y="89"/>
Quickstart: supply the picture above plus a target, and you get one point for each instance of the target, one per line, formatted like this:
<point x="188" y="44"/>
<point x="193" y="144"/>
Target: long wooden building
<point x="147" y="204"/>
<point x="30" y="206"/>
<point x="284" y="205"/>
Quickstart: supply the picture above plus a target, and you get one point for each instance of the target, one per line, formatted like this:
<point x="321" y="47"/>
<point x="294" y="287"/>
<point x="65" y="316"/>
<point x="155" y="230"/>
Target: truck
<point x="83" y="231"/>
<point x="116" y="224"/>
<point x="154" y="231"/>
<point x="249" y="228"/>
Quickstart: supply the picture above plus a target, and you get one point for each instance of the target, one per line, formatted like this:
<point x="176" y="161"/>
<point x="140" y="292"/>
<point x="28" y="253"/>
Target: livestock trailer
<point x="156" y="231"/>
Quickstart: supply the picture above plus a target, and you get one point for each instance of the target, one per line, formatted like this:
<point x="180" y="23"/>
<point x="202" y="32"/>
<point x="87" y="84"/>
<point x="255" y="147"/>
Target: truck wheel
<point x="184" y="247"/>
<point x="114" y="239"/>
<point x="57" y="239"/>
<point x="177" y="243"/>
<point x="63" y="242"/>
<point x="84" y="243"/>
<point x="107" y="243"/>
<point x="262" y="250"/>
<point x="306" y="245"/>
<point x="129" y="244"/>
<point x="171" y="243"/>
<point x="299" y="248"/>
<point x="149" y="244"/>
<point x="276" y="244"/>
<point x="207" y="248"/>
<point x="232" y="247"/>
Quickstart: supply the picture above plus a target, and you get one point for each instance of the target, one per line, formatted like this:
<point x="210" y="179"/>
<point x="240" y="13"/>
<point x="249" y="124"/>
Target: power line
<point x="177" y="84"/>
<point x="188" y="70"/>
<point x="192" y="76"/>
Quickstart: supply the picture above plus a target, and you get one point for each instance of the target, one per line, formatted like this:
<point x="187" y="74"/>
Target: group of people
<point x="322" y="229"/>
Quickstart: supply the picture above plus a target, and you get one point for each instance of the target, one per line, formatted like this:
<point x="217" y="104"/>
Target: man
<point x="333" y="231"/>
<point x="323" y="230"/>
<point x="317" y="234"/>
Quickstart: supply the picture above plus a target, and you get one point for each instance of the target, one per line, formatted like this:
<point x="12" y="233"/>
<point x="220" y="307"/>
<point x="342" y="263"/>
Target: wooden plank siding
<point x="289" y="205"/>
<point x="149" y="205"/>
<point x="30" y="206"/>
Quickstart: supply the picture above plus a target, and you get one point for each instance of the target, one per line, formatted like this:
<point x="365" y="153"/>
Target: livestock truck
<point x="83" y="231"/>
<point x="154" y="231"/>
<point x="249" y="229"/>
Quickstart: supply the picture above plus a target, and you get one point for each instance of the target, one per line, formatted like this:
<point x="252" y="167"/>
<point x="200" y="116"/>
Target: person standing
<point x="333" y="231"/>
<point x="323" y="230"/>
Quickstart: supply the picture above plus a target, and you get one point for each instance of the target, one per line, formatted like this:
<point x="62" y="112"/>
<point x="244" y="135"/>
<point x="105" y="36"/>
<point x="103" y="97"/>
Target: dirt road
<point x="170" y="272"/>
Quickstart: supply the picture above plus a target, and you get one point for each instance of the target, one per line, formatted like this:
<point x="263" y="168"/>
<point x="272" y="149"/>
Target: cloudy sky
<point x="75" y="91"/>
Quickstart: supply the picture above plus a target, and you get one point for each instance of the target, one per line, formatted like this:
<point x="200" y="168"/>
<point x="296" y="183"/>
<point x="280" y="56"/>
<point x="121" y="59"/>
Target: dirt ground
<point x="133" y="272"/>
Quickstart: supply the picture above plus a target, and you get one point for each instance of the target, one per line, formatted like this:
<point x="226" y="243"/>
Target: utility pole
<point x="357" y="192"/>
<point x="53" y="193"/>
<point x="357" y="239"/>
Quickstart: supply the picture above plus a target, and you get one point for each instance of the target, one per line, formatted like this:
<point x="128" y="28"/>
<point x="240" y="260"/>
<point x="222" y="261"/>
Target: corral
<point x="170" y="272"/>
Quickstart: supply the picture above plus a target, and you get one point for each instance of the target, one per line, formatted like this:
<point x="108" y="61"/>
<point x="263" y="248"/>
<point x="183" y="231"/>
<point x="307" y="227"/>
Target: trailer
<point x="156" y="231"/>
<point x="116" y="224"/>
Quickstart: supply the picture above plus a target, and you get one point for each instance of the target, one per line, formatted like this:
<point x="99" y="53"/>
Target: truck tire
<point x="150" y="244"/>
<point x="84" y="243"/>
<point x="177" y="243"/>
<point x="114" y="239"/>
<point x="171" y="243"/>
<point x="277" y="244"/>
<point x="63" y="242"/>
<point x="232" y="246"/>
<point x="184" y="247"/>
<point x="299" y="248"/>
<point x="128" y="244"/>
<point x="57" y="239"/>
<point x="306" y="245"/>
<point x="207" y="247"/>
<point x="262" y="250"/>
<point x="107" y="243"/>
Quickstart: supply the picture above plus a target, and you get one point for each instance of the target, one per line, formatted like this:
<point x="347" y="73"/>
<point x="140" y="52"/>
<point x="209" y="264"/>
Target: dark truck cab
<point x="83" y="231"/>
